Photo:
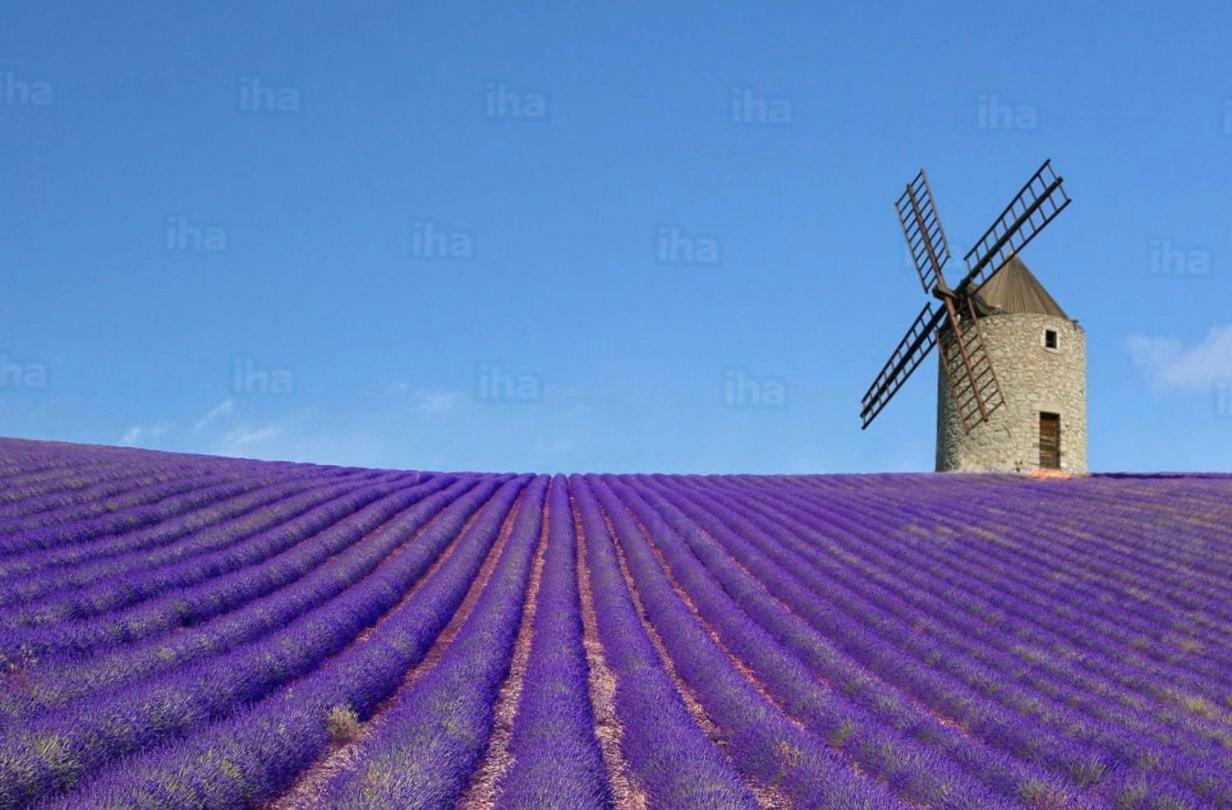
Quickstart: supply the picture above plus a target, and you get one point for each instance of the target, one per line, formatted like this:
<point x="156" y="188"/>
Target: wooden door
<point x="1050" y="441"/>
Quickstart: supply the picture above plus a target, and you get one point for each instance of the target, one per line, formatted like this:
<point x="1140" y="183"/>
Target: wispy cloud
<point x="135" y="435"/>
<point x="246" y="436"/>
<point x="1173" y="365"/>
<point x="226" y="429"/>
<point x="433" y="403"/>
<point x="224" y="408"/>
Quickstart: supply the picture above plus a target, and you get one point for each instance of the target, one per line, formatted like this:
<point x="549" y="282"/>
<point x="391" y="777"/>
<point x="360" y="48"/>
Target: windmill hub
<point x="1011" y="389"/>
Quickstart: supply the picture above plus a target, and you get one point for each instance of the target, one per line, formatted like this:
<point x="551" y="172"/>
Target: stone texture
<point x="1032" y="379"/>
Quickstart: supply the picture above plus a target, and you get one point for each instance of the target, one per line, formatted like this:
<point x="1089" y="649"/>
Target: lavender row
<point x="112" y="723"/>
<point x="121" y="582"/>
<point x="199" y="511"/>
<point x="967" y="690"/>
<point x="1109" y="633"/>
<point x="1064" y="546"/>
<point x="67" y="474"/>
<point x="674" y="761"/>
<point x="890" y="703"/>
<point x="556" y="758"/>
<point x="1191" y="511"/>
<point x="1010" y="631"/>
<point x="49" y="550"/>
<point x="426" y="746"/>
<point x="124" y="489"/>
<point x="830" y="607"/>
<point x="1122" y="544"/>
<point x="75" y="541"/>
<point x="91" y="588"/>
<point x="158" y="501"/>
<point x="250" y="757"/>
<point x="1117" y="744"/>
<point x="950" y="565"/>
<point x="68" y="493"/>
<point x="1180" y="678"/>
<point x="764" y="742"/>
<point x="1105" y="699"/>
<point x="959" y="589"/>
<point x="922" y="758"/>
<point x="56" y="528"/>
<point x="247" y="605"/>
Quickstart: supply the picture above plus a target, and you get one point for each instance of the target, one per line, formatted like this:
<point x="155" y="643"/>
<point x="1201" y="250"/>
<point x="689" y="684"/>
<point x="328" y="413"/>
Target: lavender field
<point x="185" y="631"/>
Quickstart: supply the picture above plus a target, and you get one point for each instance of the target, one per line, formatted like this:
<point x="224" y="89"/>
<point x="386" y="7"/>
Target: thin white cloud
<point x="434" y="403"/>
<point x="138" y="433"/>
<point x="244" y="436"/>
<point x="1173" y="365"/>
<point x="224" y="408"/>
<point x="220" y="431"/>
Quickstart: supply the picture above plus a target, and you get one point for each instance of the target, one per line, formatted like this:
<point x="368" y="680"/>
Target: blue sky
<point x="652" y="237"/>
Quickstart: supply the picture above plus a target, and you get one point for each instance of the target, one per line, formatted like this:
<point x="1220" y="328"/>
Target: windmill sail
<point x="910" y="352"/>
<point x="969" y="375"/>
<point x="917" y="214"/>
<point x="1037" y="204"/>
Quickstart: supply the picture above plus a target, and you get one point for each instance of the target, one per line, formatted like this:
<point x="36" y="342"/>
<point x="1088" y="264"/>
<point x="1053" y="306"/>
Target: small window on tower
<point x="1050" y="339"/>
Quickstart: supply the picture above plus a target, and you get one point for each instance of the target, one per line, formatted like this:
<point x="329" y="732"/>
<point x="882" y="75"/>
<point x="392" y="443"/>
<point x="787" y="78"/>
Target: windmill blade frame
<point x="926" y="241"/>
<point x="1038" y="203"/>
<point x="967" y="367"/>
<point x="920" y="339"/>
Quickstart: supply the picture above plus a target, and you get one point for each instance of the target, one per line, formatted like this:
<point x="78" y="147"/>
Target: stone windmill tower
<point x="1041" y="361"/>
<point x="1011" y="390"/>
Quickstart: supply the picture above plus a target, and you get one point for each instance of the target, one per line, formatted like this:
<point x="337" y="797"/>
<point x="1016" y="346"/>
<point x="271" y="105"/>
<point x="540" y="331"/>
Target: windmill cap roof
<point x="1014" y="289"/>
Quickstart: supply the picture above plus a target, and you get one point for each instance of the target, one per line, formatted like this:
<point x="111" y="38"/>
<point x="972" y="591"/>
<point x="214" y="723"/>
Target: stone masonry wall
<point x="1032" y="379"/>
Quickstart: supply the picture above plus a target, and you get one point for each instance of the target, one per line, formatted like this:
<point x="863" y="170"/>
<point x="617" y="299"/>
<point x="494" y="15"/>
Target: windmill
<point x="966" y="366"/>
